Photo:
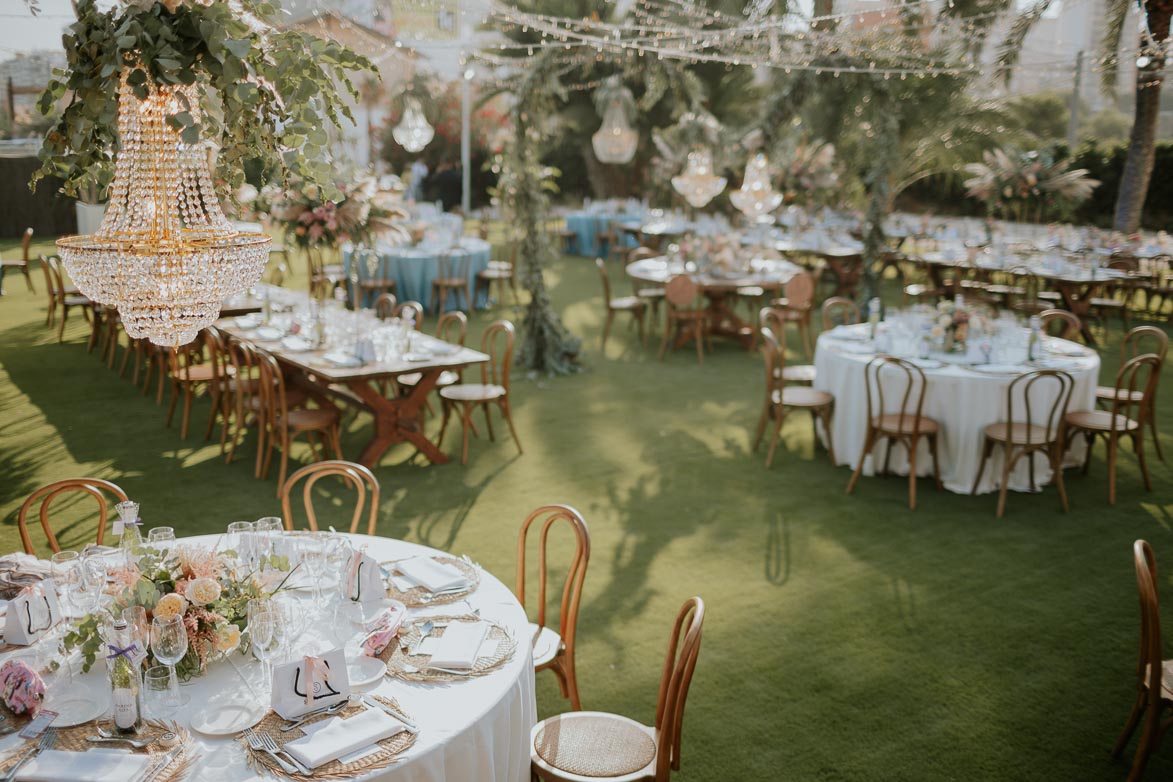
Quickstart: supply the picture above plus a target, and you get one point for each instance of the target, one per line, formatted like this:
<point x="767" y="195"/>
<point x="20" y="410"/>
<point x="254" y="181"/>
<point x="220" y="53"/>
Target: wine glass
<point x="169" y="643"/>
<point x="241" y="536"/>
<point x="92" y="576"/>
<point x="269" y="529"/>
<point x="66" y="570"/>
<point x="161" y="538"/>
<point x="136" y="619"/>
<point x="313" y="552"/>
<point x="262" y="632"/>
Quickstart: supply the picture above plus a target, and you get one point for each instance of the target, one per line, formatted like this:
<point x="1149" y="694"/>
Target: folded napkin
<point x="850" y="331"/>
<point x="249" y="321"/>
<point x="97" y="765"/>
<point x="269" y="333"/>
<point x="340" y="359"/>
<point x="430" y="574"/>
<point x="341" y="737"/>
<point x="458" y="647"/>
<point x="297" y="344"/>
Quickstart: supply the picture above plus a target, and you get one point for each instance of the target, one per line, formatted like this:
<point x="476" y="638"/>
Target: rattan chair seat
<point x="595" y="744"/>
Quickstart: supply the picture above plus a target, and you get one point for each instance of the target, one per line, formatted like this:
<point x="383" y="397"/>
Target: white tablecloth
<point x="960" y="399"/>
<point x="476" y="729"/>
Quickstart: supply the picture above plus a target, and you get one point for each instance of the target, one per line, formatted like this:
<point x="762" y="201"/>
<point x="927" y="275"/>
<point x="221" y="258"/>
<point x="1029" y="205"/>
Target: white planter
<point x="89" y="217"/>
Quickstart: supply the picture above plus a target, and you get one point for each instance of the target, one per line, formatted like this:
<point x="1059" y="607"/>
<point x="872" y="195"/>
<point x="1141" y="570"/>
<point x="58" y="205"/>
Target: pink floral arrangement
<point x="386" y="627"/>
<point x="22" y="687"/>
<point x="312" y="220"/>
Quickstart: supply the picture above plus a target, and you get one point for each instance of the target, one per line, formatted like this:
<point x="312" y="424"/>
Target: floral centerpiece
<point x="313" y="218"/>
<point x="1027" y="185"/>
<point x="952" y="325"/>
<point x="203" y="586"/>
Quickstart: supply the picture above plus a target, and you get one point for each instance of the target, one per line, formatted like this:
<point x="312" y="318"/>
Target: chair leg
<point x="700" y="345"/>
<point x="466" y="426"/>
<point x="489" y="423"/>
<point x="1144" y="747"/>
<point x="61" y="328"/>
<point x="1138" y="449"/>
<point x="444" y="423"/>
<point x="761" y="427"/>
<point x="28" y="280"/>
<point x="868" y="443"/>
<point x="828" y="414"/>
<point x="188" y="394"/>
<point x="1113" y="441"/>
<point x="913" y="447"/>
<point x="1138" y="707"/>
<point x="987" y="448"/>
<point x="1057" y="476"/>
<point x="336" y="440"/>
<point x="641" y="316"/>
<point x="1156" y="439"/>
<point x="1007" y="465"/>
<point x="606" y="329"/>
<point x="775" y="433"/>
<point x="936" y="461"/>
<point x="668" y="323"/>
<point x="171" y="406"/>
<point x="284" y="460"/>
<point x="505" y="412"/>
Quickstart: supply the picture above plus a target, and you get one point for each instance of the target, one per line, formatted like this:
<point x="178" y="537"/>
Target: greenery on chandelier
<point x="269" y="94"/>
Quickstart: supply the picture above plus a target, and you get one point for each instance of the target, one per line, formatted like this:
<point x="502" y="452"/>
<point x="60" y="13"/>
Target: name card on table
<point x="31" y="614"/>
<point x="364" y="580"/>
<point x="310" y="683"/>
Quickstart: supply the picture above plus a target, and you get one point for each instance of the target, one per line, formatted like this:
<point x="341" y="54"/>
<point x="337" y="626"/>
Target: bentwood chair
<point x="385" y="305"/>
<point x="780" y="398"/>
<point x="839" y="311"/>
<point x="1154" y="676"/>
<point x="94" y="487"/>
<point x="588" y="746"/>
<point x="1135" y="384"/>
<point x="323" y="277"/>
<point x="21" y="264"/>
<point x="895" y="405"/>
<point x="1026" y="433"/>
<point x="497" y="342"/>
<point x="370" y="279"/>
<point x="67" y="301"/>
<point x="1063" y="324"/>
<point x="452" y="328"/>
<point x="632" y="304"/>
<point x="191" y="371"/>
<point x="1138" y="341"/>
<point x="413" y="311"/>
<point x="283" y="423"/>
<point x="553" y="649"/>
<point x="797" y="306"/>
<point x="503" y="273"/>
<point x="685" y="317"/>
<point x="651" y="293"/>
<point x="52" y="293"/>
<point x="452" y="278"/>
<point x="775" y="320"/>
<point x="353" y="475"/>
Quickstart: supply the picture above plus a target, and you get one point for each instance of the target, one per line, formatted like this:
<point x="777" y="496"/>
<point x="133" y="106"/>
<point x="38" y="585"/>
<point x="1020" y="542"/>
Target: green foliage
<point x="267" y="94"/>
<point x="1045" y="113"/>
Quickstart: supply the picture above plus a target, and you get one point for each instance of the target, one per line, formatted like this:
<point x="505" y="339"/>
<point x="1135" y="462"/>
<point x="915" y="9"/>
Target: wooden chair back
<point x="413" y="310"/>
<point x="606" y="282"/>
<point x="641" y="253"/>
<point x="186" y="356"/>
<point x="242" y="358"/>
<point x="895" y="387"/>
<point x="800" y="291"/>
<point x="1144" y="339"/>
<point x="1069" y="325"/>
<point x="93" y="487"/>
<point x="385" y="305"/>
<point x="452" y="327"/>
<point x="1139" y="374"/>
<point x="498" y="343"/>
<point x="772" y="318"/>
<point x="679" y="664"/>
<point x="775" y="360"/>
<point x="1028" y="281"/>
<point x="681" y="291"/>
<point x="272" y="386"/>
<point x="839" y="311"/>
<point x="362" y="479"/>
<point x="454" y="268"/>
<point x="1050" y="386"/>
<point x="546" y="517"/>
<point x="25" y="242"/>
<point x="1149" y="668"/>
<point x="50" y="285"/>
<point x="53" y="264"/>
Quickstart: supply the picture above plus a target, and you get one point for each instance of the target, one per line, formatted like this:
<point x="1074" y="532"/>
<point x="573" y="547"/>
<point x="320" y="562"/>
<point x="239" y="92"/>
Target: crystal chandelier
<point x="413" y="131"/>
<point x="615" y="141"/>
<point x="697" y="184"/>
<point x="756" y="199"/>
<point x="165" y="255"/>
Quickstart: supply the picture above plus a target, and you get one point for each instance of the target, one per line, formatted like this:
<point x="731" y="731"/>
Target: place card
<point x="31" y="614"/>
<point x="310" y="683"/>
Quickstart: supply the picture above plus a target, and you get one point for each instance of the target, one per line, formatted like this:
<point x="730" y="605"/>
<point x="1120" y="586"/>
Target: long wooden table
<point x="397" y="418"/>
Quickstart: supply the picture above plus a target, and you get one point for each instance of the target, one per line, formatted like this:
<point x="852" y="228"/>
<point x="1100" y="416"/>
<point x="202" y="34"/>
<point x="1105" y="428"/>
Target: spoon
<point x="455" y="672"/>
<point x="425" y="630"/>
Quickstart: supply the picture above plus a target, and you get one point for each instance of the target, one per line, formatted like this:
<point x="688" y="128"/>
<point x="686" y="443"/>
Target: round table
<point x="765" y="273"/>
<point x="414" y="267"/>
<point x="587" y="225"/>
<point x="962" y="399"/>
<point x="476" y="729"/>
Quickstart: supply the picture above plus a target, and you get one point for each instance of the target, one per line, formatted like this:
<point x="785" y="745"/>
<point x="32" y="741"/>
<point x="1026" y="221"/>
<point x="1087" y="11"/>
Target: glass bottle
<point x="874" y="314"/>
<point x="126" y="682"/>
<point x="131" y="539"/>
<point x="1034" y="349"/>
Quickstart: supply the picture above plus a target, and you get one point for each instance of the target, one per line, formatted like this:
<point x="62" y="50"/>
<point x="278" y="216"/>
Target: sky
<point x="22" y="32"/>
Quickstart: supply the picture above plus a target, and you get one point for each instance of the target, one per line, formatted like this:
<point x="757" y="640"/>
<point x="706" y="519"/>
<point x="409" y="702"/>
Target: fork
<point x="257" y="744"/>
<point x="47" y="739"/>
<point x="297" y="723"/>
<point x="271" y="747"/>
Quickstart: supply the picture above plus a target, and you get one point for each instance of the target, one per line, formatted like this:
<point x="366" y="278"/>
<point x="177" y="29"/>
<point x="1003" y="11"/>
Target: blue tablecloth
<point x="414" y="268"/>
<point x="588" y="225"/>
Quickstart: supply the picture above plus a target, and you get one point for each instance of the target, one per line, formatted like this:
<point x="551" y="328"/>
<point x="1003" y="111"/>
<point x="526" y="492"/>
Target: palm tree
<point x="1138" y="165"/>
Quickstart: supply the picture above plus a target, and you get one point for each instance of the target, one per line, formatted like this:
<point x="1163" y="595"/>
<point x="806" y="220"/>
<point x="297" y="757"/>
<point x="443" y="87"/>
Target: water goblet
<point x="66" y="570"/>
<point x="169" y="643"/>
<point x="136" y="620"/>
<point x="313" y="550"/>
<point x="262" y="630"/>
<point x="161" y="538"/>
<point x="269" y="529"/>
<point x="156" y="689"/>
<point x="240" y="540"/>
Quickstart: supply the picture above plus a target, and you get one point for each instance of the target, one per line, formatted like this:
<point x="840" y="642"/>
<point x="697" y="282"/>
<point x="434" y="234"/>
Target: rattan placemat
<point x="390" y="747"/>
<point x="398" y="659"/>
<point x="418" y="597"/>
<point x="73" y="739"/>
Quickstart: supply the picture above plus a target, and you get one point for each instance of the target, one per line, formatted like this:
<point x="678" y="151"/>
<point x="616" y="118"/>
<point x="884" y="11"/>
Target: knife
<point x="411" y="726"/>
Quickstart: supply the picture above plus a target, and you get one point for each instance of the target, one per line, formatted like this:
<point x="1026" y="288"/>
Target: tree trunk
<point x="1138" y="166"/>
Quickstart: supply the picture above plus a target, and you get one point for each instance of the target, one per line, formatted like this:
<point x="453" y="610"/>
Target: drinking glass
<point x="66" y="570"/>
<point x="161" y="538"/>
<point x="262" y="633"/>
<point x="169" y="643"/>
<point x="269" y="529"/>
<point x="156" y="689"/>
<point x="241" y="536"/>
<point x="338" y="551"/>
<point x="136" y="619"/>
<point x="92" y="574"/>
<point x="313" y="550"/>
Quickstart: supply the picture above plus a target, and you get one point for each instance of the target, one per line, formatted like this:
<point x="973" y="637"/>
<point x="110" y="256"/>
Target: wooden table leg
<point x="1077" y="298"/>
<point x="398" y="420"/>
<point x="723" y="320"/>
<point x="847" y="271"/>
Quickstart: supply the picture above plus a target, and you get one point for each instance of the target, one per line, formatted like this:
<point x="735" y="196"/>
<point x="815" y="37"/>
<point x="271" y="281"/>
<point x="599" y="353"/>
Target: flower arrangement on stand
<point x="205" y="587"/>
<point x="311" y="219"/>
<point x="1031" y="185"/>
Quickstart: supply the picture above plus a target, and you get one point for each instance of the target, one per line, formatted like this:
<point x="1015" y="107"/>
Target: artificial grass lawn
<point x="847" y="638"/>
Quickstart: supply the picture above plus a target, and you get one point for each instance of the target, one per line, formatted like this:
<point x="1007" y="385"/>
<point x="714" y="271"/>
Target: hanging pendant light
<point x="615" y="141"/>
<point x="165" y="255"/>
<point x="697" y="183"/>
<point x="413" y="131"/>
<point x="756" y="199"/>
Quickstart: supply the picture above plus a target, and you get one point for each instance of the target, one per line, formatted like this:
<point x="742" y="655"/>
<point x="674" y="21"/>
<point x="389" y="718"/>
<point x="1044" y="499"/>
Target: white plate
<point x="228" y="719"/>
<point x="416" y="357"/>
<point x="365" y="670"/>
<point x="80" y="704"/>
<point x="1000" y="369"/>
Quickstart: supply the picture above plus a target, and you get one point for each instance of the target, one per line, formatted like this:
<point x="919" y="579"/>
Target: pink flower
<point x="316" y="232"/>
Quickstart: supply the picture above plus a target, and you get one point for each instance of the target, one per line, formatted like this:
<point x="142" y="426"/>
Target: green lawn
<point x="846" y="638"/>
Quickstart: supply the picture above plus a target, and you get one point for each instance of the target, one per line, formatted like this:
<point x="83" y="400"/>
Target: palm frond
<point x="1011" y="47"/>
<point x="1116" y="17"/>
